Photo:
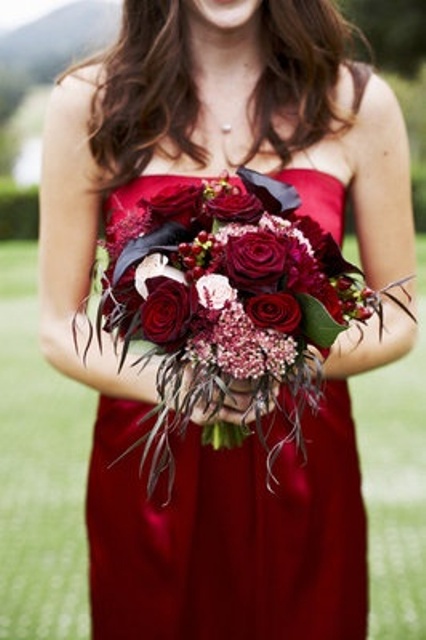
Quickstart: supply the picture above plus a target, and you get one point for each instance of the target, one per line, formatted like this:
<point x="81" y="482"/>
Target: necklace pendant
<point x="226" y="128"/>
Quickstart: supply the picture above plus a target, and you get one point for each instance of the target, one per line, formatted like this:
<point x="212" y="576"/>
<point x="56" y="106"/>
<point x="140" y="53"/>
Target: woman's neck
<point x="225" y="56"/>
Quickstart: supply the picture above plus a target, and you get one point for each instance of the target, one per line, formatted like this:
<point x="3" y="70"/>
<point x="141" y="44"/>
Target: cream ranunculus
<point x="214" y="291"/>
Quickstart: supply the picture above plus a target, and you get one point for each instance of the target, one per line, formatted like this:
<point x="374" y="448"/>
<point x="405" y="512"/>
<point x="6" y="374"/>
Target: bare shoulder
<point x="376" y="99"/>
<point x="378" y="129"/>
<point x="66" y="137"/>
<point x="379" y="104"/>
<point x="72" y="96"/>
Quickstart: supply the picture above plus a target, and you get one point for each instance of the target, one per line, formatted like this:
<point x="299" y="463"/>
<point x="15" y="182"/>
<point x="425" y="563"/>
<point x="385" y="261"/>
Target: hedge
<point x="419" y="196"/>
<point x="19" y="208"/>
<point x="18" y="212"/>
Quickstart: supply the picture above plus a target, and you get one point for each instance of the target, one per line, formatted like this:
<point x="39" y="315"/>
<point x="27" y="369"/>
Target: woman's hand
<point x="238" y="406"/>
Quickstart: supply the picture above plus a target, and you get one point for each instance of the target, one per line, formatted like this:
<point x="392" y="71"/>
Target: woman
<point x="192" y="88"/>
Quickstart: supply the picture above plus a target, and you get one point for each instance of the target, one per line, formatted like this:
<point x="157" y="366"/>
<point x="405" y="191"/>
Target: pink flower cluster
<point x="242" y="350"/>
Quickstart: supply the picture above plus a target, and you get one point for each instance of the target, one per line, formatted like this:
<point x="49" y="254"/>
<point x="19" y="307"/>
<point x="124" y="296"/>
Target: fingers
<point x="247" y="409"/>
<point x="236" y="407"/>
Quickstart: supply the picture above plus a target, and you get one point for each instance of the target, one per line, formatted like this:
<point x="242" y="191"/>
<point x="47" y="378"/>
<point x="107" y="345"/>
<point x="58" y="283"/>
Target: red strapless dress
<point x="227" y="559"/>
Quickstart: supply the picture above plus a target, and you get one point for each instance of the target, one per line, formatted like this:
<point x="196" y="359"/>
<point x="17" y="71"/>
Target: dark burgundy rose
<point x="255" y="261"/>
<point x="279" y="311"/>
<point x="167" y="312"/>
<point x="178" y="203"/>
<point x="239" y="207"/>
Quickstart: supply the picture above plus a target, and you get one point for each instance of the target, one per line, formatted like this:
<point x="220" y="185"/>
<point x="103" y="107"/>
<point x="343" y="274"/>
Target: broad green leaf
<point x="318" y="325"/>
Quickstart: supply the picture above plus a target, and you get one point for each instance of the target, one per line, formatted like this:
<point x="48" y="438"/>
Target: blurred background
<point x="45" y="421"/>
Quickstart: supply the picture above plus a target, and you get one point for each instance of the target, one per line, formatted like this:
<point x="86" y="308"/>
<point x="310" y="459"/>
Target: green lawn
<point x="45" y="427"/>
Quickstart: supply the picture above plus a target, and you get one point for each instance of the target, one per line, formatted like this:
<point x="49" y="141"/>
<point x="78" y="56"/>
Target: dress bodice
<point x="323" y="196"/>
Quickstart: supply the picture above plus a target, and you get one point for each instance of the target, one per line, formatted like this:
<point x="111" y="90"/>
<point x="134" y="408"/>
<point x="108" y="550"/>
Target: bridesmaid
<point x="190" y="88"/>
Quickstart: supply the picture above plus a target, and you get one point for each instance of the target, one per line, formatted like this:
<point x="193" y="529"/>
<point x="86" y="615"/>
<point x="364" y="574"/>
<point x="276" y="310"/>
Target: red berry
<point x="184" y="248"/>
<point x="189" y="262"/>
<point x="363" y="313"/>
<point x="344" y="283"/>
<point x="349" y="305"/>
<point x="367" y="293"/>
<point x="203" y="236"/>
<point x="197" y="272"/>
<point x="196" y="249"/>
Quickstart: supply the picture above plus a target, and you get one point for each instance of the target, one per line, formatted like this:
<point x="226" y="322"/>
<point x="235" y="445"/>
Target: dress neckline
<point x="273" y="174"/>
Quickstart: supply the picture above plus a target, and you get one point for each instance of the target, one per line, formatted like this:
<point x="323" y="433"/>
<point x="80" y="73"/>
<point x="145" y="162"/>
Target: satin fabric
<point x="227" y="559"/>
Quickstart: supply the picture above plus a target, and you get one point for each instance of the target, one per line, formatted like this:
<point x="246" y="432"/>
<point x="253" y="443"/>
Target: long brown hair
<point x="147" y="92"/>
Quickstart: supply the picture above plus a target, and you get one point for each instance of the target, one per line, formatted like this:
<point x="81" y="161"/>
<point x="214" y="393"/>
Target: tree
<point x="13" y="88"/>
<point x="395" y="30"/>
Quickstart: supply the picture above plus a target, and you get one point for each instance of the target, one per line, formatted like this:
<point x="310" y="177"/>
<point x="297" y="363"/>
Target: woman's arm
<point x="377" y="148"/>
<point x="70" y="209"/>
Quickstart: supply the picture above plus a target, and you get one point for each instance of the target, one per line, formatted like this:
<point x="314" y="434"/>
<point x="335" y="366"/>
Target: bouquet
<point x="231" y="284"/>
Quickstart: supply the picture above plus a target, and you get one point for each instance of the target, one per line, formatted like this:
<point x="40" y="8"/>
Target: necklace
<point x="226" y="128"/>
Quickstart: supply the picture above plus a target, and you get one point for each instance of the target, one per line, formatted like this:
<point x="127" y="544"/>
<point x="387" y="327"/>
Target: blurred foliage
<point x="419" y="196"/>
<point x="13" y="88"/>
<point x="9" y="146"/>
<point x="18" y="211"/>
<point x="411" y="94"/>
<point x="395" y="30"/>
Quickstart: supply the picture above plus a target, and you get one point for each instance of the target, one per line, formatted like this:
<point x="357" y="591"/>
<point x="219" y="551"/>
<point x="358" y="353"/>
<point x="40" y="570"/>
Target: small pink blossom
<point x="275" y="224"/>
<point x="242" y="350"/>
<point x="234" y="230"/>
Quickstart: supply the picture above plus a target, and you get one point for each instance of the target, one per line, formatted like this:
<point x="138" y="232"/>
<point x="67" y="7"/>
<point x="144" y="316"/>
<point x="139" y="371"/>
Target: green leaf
<point x="317" y="324"/>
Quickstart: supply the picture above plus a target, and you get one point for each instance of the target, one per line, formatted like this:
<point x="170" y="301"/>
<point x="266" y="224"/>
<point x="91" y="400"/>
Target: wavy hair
<point x="147" y="92"/>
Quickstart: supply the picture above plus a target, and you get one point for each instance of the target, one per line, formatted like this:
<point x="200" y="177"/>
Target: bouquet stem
<point x="224" y="435"/>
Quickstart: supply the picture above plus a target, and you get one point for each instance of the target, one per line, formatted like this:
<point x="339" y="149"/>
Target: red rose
<point x="279" y="311"/>
<point x="179" y="203"/>
<point x="255" y="261"/>
<point x="167" y="312"/>
<point x="240" y="207"/>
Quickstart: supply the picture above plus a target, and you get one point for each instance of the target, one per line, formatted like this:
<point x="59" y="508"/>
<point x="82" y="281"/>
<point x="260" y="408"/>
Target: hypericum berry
<point x="363" y="313"/>
<point x="196" y="249"/>
<point x="349" y="305"/>
<point x="197" y="272"/>
<point x="216" y="249"/>
<point x="203" y="236"/>
<point x="189" y="262"/>
<point x="367" y="293"/>
<point x="184" y="248"/>
<point x="344" y="283"/>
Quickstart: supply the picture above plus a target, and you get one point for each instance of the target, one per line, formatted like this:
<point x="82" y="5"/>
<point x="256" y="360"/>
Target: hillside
<point x="41" y="49"/>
